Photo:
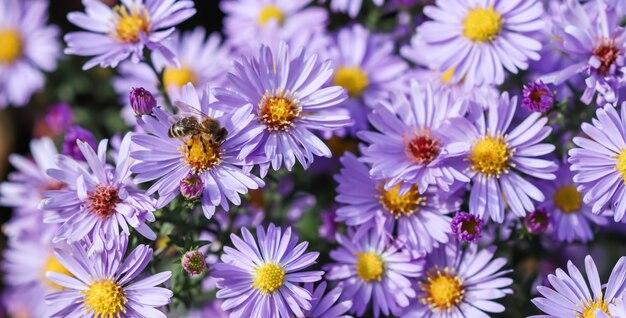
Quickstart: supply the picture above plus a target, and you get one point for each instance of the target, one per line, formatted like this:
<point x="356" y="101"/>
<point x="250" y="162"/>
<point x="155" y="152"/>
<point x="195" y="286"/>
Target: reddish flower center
<point x="471" y="226"/>
<point x="536" y="94"/>
<point x="607" y="52"/>
<point x="102" y="200"/>
<point x="423" y="149"/>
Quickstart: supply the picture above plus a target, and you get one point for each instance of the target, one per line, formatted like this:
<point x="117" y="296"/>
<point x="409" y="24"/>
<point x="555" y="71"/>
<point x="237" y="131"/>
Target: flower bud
<point x="467" y="227"/>
<point x="142" y="101"/>
<point x="536" y="222"/>
<point x="193" y="262"/>
<point x="191" y="187"/>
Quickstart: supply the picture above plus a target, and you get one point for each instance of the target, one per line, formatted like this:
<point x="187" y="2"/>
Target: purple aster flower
<point x="365" y="65"/>
<point x="100" y="200"/>
<point x="419" y="217"/>
<point x="142" y="101"/>
<point x="537" y="222"/>
<point x="288" y="102"/>
<point x="25" y="187"/>
<point x="350" y="7"/>
<point x="571" y="297"/>
<point x="203" y="61"/>
<point x="170" y="160"/>
<point x="58" y="119"/>
<point x="25" y="262"/>
<point x="29" y="46"/>
<point x="592" y="37"/>
<point x="496" y="155"/>
<point x="261" y="279"/>
<point x="460" y="283"/>
<point x="599" y="162"/>
<point x="70" y="145"/>
<point x="410" y="149"/>
<point x="570" y="218"/>
<point x="537" y="97"/>
<point x="194" y="262"/>
<point x="106" y="285"/>
<point x="373" y="269"/>
<point x="249" y="23"/>
<point x="324" y="305"/>
<point x="114" y="34"/>
<point x="467" y="227"/>
<point x="479" y="39"/>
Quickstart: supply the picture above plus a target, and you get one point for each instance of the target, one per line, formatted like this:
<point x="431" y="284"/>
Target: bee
<point x="207" y="128"/>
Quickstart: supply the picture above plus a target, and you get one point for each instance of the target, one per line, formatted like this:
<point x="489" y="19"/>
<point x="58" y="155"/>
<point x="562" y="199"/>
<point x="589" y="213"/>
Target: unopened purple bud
<point x="537" y="97"/>
<point x="59" y="118"/>
<point x="467" y="227"/>
<point x="75" y="133"/>
<point x="142" y="101"/>
<point x="537" y="221"/>
<point x="193" y="262"/>
<point x="191" y="186"/>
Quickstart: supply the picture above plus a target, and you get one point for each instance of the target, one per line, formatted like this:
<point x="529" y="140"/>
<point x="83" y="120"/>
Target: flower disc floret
<point x="568" y="199"/>
<point x="423" y="148"/>
<point x="592" y="306"/>
<point x="103" y="200"/>
<point x="279" y="111"/>
<point x="353" y="79"/>
<point x="444" y="290"/>
<point x="105" y="298"/>
<point x="12" y="46"/>
<point x="482" y="24"/>
<point x="271" y="12"/>
<point x="53" y="265"/>
<point x="178" y="77"/>
<point x="370" y="267"/>
<point x="491" y="155"/>
<point x="402" y="204"/>
<point x="200" y="154"/>
<point x="131" y="24"/>
<point x="607" y="52"/>
<point x="621" y="164"/>
<point x="268" y="278"/>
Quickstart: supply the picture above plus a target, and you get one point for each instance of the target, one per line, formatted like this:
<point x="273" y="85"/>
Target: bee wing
<point x="185" y="108"/>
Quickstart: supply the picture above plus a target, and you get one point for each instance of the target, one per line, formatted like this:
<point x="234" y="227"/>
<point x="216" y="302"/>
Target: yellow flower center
<point x="278" y="111"/>
<point x="590" y="308"/>
<point x="491" y="156"/>
<point x="370" y="267"/>
<point x="401" y="205"/>
<point x="268" y="278"/>
<point x="105" y="298"/>
<point x="353" y="79"/>
<point x="621" y="164"/>
<point x="130" y="25"/>
<point x="443" y="289"/>
<point x="446" y="77"/>
<point x="11" y="46"/>
<point x="178" y="77"/>
<point x="482" y="24"/>
<point x="568" y="199"/>
<point x="201" y="154"/>
<point x="271" y="12"/>
<point x="53" y="265"/>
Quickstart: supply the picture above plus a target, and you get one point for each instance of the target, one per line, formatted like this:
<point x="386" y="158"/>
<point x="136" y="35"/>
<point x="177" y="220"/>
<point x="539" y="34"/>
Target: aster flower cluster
<point x="318" y="159"/>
